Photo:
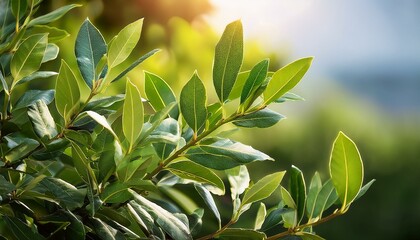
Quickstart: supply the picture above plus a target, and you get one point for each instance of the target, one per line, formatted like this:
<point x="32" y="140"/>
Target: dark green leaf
<point x="115" y="193"/>
<point x="289" y="97"/>
<point x="255" y="79"/>
<point x="67" y="93"/>
<point x="30" y="97"/>
<point x="215" y="113"/>
<point x="66" y="194"/>
<point x="5" y="186"/>
<point x="346" y="169"/>
<point x="274" y="218"/>
<point x="165" y="137"/>
<point x="133" y="114"/>
<point x="239" y="85"/>
<point x="298" y="191"/>
<point x="240" y="233"/>
<point x="224" y="154"/>
<point x="166" y="220"/>
<point x="228" y="59"/>
<point x="82" y="164"/>
<point x="52" y="16"/>
<point x="20" y="230"/>
<point x="42" y="121"/>
<point x="263" y="188"/>
<point x="104" y="103"/>
<point x="20" y="147"/>
<point x="326" y="197"/>
<point x="4" y="84"/>
<point x="36" y="75"/>
<point x="159" y="93"/>
<point x="193" y="103"/>
<point x="89" y="49"/>
<point x="285" y="79"/>
<point x="261" y="119"/>
<point x="196" y="172"/>
<point x="28" y="57"/>
<point x="208" y="199"/>
<point x="364" y="189"/>
<point x="51" y="53"/>
<point x="19" y="8"/>
<point x="104" y="231"/>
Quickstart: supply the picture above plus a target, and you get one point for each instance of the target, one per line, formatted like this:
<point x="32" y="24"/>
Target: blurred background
<point x="365" y="81"/>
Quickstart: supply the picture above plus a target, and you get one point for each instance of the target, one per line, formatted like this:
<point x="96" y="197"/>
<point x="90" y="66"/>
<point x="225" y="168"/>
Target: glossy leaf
<point x="239" y="85"/>
<point x="102" y="121"/>
<point x="30" y="97"/>
<point x="67" y="93"/>
<point x="261" y="214"/>
<point x="124" y="43"/>
<point x="228" y="59"/>
<point x="238" y="179"/>
<point x="224" y="154"/>
<point x="105" y="231"/>
<point x="159" y="93"/>
<point x="263" y="188"/>
<point x="115" y="193"/>
<point x="37" y="75"/>
<point x="285" y="79"/>
<point x="20" y="230"/>
<point x="196" y="172"/>
<point x="90" y="48"/>
<point x="166" y="220"/>
<point x="28" y="57"/>
<point x="42" y="121"/>
<point x="82" y="165"/>
<point x="51" y="53"/>
<point x="262" y="119"/>
<point x="193" y="103"/>
<point x="20" y="147"/>
<point x="326" y="197"/>
<point x="255" y="79"/>
<point x="298" y="191"/>
<point x="313" y="191"/>
<point x="66" y="194"/>
<point x="289" y="217"/>
<point x="54" y="34"/>
<point x="132" y="116"/>
<point x="52" y="16"/>
<point x="241" y="233"/>
<point x="346" y="169"/>
<point x="274" y="218"/>
<point x="209" y="200"/>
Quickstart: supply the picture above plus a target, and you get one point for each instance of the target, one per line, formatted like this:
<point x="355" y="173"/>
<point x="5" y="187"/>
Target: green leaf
<point x="262" y="119"/>
<point x="132" y="116"/>
<point x="241" y="233"/>
<point x="28" y="57"/>
<point x="89" y="49"/>
<point x="313" y="191"/>
<point x="124" y="43"/>
<point x="4" y="84"/>
<point x="209" y="200"/>
<point x="263" y="188"/>
<point x="166" y="220"/>
<point x="159" y="93"/>
<point x="102" y="121"/>
<point x="364" y="189"/>
<point x="285" y="79"/>
<point x="255" y="79"/>
<point x="66" y="194"/>
<point x="52" y="16"/>
<point x="42" y="121"/>
<point x="19" y="8"/>
<point x="131" y="67"/>
<point x="224" y="154"/>
<point x="5" y="186"/>
<point x="228" y="59"/>
<point x="309" y="236"/>
<point x="238" y="179"/>
<point x="261" y="214"/>
<point x="287" y="198"/>
<point x="289" y="217"/>
<point x="346" y="169"/>
<point x="30" y="97"/>
<point x="82" y="165"/>
<point x="274" y="218"/>
<point x="326" y="197"/>
<point x="51" y="52"/>
<point x="239" y="85"/>
<point x="20" y="230"/>
<point x="54" y="34"/>
<point x="196" y="172"/>
<point x="37" y="75"/>
<point x="193" y="103"/>
<point x="20" y="147"/>
<point x="165" y="138"/>
<point x="115" y="192"/>
<point x="298" y="191"/>
<point x="67" y="93"/>
<point x="105" y="231"/>
<point x="289" y="97"/>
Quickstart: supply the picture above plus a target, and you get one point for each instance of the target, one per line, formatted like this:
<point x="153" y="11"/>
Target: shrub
<point x="79" y="165"/>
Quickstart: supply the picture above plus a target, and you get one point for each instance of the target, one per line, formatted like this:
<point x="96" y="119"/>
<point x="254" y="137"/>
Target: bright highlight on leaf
<point x="67" y="93"/>
<point x="346" y="169"/>
<point x="133" y="114"/>
<point x="263" y="188"/>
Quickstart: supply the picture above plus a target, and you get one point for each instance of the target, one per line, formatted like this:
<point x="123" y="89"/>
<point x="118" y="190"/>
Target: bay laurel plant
<point x="85" y="165"/>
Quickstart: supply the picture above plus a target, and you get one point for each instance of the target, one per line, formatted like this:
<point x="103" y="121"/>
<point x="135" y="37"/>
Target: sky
<point x="355" y="42"/>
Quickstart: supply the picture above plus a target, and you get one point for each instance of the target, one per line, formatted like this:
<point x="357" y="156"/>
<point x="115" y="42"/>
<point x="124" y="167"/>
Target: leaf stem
<point x="303" y="226"/>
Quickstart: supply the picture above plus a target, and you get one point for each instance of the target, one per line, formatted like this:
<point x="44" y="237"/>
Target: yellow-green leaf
<point x="263" y="188"/>
<point x="133" y="114"/>
<point x="67" y="93"/>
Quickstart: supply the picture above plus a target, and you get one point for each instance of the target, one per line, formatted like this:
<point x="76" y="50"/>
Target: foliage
<point x="107" y="167"/>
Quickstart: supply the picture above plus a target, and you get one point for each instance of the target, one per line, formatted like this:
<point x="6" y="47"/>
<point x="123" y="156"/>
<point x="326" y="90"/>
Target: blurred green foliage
<point x="389" y="144"/>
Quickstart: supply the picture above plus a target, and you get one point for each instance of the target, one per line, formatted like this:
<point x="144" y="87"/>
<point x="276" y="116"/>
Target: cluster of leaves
<point x="104" y="167"/>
